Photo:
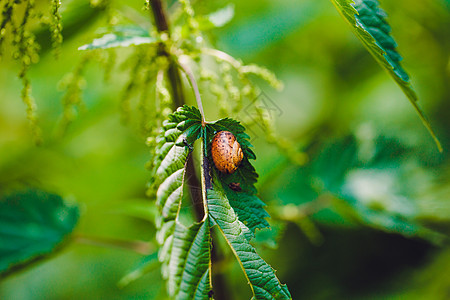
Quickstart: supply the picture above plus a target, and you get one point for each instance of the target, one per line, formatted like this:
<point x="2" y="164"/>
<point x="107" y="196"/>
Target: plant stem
<point x="173" y="74"/>
<point x="223" y="57"/>
<point x="195" y="88"/>
<point x="159" y="15"/>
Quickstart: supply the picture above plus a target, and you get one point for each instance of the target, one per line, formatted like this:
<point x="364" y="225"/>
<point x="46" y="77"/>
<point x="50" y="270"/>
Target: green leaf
<point x="121" y="36"/>
<point x="245" y="203"/>
<point x="218" y="18"/>
<point x="32" y="224"/>
<point x="369" y="23"/>
<point x="222" y="16"/>
<point x="270" y="238"/>
<point x="185" y="251"/>
<point x="189" y="265"/>
<point x="261" y="276"/>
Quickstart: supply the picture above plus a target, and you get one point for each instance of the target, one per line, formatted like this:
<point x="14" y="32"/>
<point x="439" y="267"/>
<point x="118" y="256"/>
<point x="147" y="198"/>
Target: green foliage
<point x="346" y="183"/>
<point x="367" y="182"/>
<point x="56" y="26"/>
<point x="33" y="223"/>
<point x="73" y="83"/>
<point x="370" y="26"/>
<point x="245" y="203"/>
<point x="185" y="251"/>
<point x="16" y="31"/>
<point x="146" y="70"/>
<point x="261" y="276"/>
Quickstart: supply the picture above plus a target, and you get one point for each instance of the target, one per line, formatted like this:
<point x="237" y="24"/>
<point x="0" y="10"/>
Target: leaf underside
<point x="32" y="224"/>
<point x="185" y="252"/>
<point x="261" y="276"/>
<point x="121" y="36"/>
<point x="369" y="23"/>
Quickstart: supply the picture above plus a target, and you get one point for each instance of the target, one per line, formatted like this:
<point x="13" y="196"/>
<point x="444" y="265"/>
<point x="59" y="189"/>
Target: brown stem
<point x="176" y="87"/>
<point x="176" y="90"/>
<point x="159" y="15"/>
<point x="173" y="73"/>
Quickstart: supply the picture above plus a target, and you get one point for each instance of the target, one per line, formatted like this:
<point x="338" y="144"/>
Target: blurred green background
<point x="373" y="205"/>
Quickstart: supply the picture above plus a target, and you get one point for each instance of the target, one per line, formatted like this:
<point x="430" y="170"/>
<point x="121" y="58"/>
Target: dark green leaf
<point x="261" y="276"/>
<point x="32" y="224"/>
<point x="249" y="208"/>
<point x="369" y="23"/>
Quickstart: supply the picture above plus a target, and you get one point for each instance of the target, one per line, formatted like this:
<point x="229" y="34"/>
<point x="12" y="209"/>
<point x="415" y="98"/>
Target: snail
<point x="226" y="152"/>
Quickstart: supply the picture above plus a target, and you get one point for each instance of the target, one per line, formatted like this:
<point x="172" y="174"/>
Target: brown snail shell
<point x="226" y="152"/>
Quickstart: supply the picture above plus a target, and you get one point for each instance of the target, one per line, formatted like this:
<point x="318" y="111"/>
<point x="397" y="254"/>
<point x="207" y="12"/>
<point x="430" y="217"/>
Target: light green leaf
<point x="127" y="30"/>
<point x="370" y="26"/>
<point x="218" y="18"/>
<point x="222" y="16"/>
<point x="184" y="252"/>
<point x="121" y="36"/>
<point x="32" y="224"/>
<point x="190" y="260"/>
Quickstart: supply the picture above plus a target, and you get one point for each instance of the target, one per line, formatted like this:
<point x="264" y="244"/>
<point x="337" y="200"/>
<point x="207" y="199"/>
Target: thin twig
<point x="293" y="213"/>
<point x="141" y="247"/>
<point x="194" y="85"/>
<point x="223" y="57"/>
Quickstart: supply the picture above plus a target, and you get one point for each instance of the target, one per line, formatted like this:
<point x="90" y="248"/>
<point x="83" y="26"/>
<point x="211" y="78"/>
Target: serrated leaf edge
<point x="371" y="45"/>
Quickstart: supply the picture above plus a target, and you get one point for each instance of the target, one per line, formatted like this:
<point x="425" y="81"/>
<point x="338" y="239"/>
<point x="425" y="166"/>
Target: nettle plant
<point x="181" y="140"/>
